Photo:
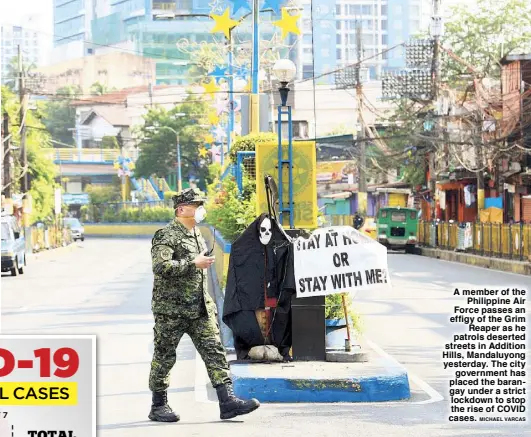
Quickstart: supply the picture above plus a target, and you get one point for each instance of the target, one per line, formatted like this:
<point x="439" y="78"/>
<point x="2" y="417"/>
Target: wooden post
<point x="348" y="343"/>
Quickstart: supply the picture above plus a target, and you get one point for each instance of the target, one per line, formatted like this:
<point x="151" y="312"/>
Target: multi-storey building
<point x="30" y="43"/>
<point x="142" y="27"/>
<point x="331" y="27"/>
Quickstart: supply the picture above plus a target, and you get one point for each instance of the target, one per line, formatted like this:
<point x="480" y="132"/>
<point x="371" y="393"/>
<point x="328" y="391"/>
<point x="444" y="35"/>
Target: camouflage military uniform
<point x="181" y="303"/>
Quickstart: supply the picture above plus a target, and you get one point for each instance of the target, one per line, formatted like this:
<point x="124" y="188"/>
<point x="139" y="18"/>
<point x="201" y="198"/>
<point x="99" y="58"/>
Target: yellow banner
<point x="38" y="393"/>
<point x="304" y="181"/>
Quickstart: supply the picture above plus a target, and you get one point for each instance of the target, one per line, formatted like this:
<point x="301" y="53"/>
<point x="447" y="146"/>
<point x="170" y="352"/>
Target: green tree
<point x="158" y="148"/>
<point x="98" y="89"/>
<point x="59" y="116"/>
<point x="41" y="169"/>
<point x="482" y="36"/>
<point x="12" y="76"/>
<point x="109" y="142"/>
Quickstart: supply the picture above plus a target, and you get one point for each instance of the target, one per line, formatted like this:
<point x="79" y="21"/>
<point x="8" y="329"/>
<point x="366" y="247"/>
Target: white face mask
<point x="200" y="214"/>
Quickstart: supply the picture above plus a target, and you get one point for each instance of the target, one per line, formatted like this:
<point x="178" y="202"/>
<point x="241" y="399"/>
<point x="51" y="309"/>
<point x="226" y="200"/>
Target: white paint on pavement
<point x="434" y="395"/>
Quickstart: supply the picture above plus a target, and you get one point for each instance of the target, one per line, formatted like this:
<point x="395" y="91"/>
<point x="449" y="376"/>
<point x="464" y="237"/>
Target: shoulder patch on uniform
<point x="166" y="254"/>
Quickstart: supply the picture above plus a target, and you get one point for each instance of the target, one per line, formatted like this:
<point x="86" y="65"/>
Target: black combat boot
<point x="230" y="406"/>
<point x="160" y="410"/>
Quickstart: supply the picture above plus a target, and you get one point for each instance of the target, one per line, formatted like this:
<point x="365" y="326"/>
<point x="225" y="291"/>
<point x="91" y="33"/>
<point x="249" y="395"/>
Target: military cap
<point x="190" y="195"/>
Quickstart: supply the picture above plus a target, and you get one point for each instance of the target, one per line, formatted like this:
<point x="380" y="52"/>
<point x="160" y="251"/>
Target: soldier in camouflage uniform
<point x="181" y="305"/>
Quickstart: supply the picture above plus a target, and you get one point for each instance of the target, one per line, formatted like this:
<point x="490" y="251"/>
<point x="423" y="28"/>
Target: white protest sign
<point x="339" y="259"/>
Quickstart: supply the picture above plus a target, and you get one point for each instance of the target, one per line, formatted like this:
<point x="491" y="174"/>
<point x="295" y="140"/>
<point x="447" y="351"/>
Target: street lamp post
<point x="178" y="144"/>
<point x="284" y="70"/>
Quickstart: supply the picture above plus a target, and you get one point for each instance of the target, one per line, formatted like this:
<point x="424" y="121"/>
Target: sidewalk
<point x="50" y="253"/>
<point x="505" y="265"/>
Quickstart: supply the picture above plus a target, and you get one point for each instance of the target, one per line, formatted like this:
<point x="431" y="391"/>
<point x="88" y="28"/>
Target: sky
<point x="17" y="12"/>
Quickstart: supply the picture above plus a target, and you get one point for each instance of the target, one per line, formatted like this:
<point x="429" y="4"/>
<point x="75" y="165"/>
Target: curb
<point x="393" y="385"/>
<point x="504" y="265"/>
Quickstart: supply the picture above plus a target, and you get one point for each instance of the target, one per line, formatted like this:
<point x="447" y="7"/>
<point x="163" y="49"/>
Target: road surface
<point x="104" y="287"/>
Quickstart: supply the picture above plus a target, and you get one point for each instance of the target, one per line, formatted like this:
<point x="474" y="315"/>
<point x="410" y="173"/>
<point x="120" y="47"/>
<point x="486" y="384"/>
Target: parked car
<point x="76" y="228"/>
<point x="13" y="246"/>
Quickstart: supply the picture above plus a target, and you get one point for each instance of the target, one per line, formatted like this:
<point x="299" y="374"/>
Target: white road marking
<point x="434" y="395"/>
<point x="201" y="380"/>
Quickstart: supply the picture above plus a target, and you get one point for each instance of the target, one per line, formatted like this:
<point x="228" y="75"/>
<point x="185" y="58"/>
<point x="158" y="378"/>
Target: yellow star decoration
<point x="213" y="118"/>
<point x="224" y="23"/>
<point x="288" y="23"/>
<point x="203" y="152"/>
<point x="211" y="87"/>
<point x="209" y="138"/>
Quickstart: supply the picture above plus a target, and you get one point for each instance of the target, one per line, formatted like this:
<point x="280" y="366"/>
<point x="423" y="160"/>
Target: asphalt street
<point x="103" y="287"/>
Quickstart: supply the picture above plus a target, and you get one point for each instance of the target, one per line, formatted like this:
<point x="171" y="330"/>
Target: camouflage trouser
<point x="204" y="333"/>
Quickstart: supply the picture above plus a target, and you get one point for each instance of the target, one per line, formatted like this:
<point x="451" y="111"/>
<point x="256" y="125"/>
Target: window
<point x="368" y="24"/>
<point x="366" y="10"/>
<point x="338" y="38"/>
<point x="384" y="24"/>
<point x="384" y="9"/>
<point x="307" y="39"/>
<point x="338" y="25"/>
<point x="352" y="24"/>
<point x="413" y="215"/>
<point x="352" y="9"/>
<point x="338" y="54"/>
<point x="398" y="216"/>
<point x="338" y="9"/>
<point x="384" y="40"/>
<point x="368" y="40"/>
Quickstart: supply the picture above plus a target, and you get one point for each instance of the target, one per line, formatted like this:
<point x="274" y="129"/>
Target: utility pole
<point x="6" y="156"/>
<point x="23" y="113"/>
<point x="179" y="174"/>
<point x="436" y="30"/>
<point x="362" y="163"/>
<point x="254" y="101"/>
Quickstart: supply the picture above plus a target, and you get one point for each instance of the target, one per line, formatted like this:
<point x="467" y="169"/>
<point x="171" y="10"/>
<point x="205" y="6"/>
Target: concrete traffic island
<point x="376" y="380"/>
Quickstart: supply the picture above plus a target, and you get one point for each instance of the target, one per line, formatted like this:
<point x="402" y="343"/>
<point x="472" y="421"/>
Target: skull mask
<point x="265" y="231"/>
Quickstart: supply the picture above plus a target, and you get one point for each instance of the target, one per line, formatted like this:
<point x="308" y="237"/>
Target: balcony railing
<point x="82" y="156"/>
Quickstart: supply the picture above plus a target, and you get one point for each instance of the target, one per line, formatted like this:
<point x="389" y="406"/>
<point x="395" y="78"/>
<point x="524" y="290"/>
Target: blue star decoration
<point x="272" y="4"/>
<point x="239" y="4"/>
<point x="241" y="72"/>
<point x="218" y="73"/>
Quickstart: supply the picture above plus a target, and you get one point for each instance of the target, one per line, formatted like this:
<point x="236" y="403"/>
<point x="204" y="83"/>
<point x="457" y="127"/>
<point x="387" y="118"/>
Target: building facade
<point x="329" y="34"/>
<point x="30" y="43"/>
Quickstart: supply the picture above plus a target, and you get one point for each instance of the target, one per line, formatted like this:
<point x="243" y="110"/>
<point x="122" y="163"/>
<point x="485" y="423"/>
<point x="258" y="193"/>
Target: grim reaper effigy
<point x="260" y="285"/>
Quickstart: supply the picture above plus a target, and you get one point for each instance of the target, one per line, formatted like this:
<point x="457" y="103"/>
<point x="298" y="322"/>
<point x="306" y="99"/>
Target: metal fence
<point x="509" y="241"/>
<point x="245" y="164"/>
<point x="49" y="237"/>
<point x="127" y="211"/>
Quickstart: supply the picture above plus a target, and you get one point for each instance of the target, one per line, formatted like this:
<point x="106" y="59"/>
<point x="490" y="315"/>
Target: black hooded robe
<point x="255" y="271"/>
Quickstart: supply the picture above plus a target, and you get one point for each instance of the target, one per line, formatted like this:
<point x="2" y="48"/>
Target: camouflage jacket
<point x="179" y="288"/>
